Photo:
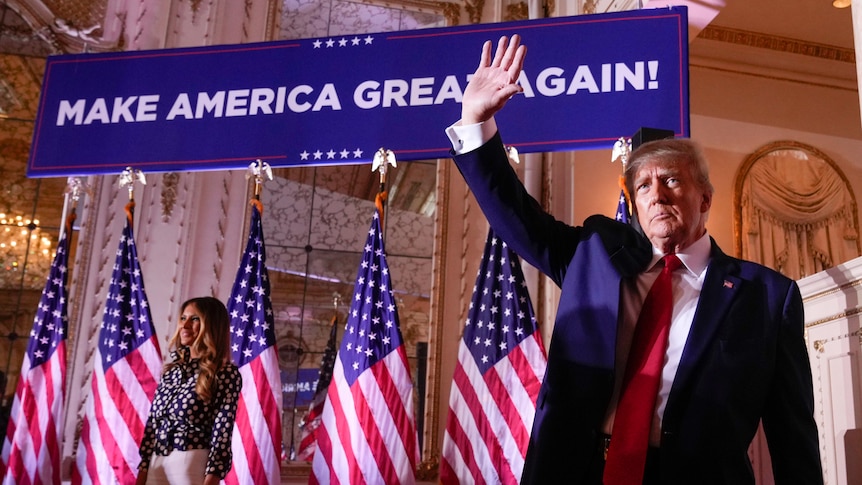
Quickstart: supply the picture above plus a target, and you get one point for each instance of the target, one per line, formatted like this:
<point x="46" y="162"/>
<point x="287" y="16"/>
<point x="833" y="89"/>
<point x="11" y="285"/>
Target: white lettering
<point x="237" y="99"/>
<point x="623" y="74"/>
<point x="583" y="79"/>
<point x="182" y="107"/>
<point x="121" y="109"/>
<point x="365" y="95"/>
<point x="69" y="111"/>
<point x="328" y="98"/>
<point x="449" y="90"/>
<point x="208" y="105"/>
<point x="421" y="91"/>
<point x="98" y="112"/>
<point x="279" y="100"/>
<point x="261" y="99"/>
<point x="524" y="81"/>
<point x="292" y="99"/>
<point x="550" y="83"/>
<point x="147" y="106"/>
<point x="394" y="90"/>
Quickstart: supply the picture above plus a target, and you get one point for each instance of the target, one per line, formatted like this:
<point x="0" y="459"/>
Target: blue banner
<point x="298" y="387"/>
<point x="587" y="80"/>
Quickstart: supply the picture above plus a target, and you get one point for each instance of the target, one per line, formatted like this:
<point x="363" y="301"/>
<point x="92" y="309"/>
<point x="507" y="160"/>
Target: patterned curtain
<point x="796" y="212"/>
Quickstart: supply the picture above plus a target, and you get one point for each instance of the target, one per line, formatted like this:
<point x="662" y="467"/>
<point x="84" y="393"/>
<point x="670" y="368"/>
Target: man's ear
<point x="706" y="202"/>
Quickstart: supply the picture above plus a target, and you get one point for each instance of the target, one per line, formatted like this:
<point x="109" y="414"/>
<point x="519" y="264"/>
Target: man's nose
<point x="657" y="193"/>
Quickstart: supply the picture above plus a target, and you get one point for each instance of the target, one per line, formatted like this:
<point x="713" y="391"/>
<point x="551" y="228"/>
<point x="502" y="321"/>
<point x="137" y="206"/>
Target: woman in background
<point x="187" y="439"/>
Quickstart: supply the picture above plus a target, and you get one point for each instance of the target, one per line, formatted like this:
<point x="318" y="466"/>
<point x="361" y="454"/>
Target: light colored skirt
<point x="178" y="468"/>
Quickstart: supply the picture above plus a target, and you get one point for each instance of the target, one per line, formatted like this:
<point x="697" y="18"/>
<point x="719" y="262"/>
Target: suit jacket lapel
<point x="719" y="289"/>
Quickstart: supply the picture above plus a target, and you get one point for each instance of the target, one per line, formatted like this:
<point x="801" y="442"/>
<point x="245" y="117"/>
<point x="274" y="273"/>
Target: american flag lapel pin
<point x="728" y="284"/>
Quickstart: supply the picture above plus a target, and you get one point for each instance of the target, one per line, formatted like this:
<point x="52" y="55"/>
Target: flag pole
<point x="622" y="150"/>
<point x="382" y="159"/>
<point x="128" y="177"/>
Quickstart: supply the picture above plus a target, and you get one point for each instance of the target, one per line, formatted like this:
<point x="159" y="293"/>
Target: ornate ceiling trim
<point x="777" y="43"/>
<point x="64" y="35"/>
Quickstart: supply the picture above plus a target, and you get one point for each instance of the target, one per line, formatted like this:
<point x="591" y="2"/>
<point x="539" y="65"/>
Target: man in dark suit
<point x="734" y="352"/>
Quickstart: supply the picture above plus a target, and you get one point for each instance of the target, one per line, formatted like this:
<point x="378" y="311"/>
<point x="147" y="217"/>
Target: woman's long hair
<point x="212" y="344"/>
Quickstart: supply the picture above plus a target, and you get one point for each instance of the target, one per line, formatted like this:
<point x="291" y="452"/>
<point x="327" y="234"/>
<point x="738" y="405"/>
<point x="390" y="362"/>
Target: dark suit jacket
<point x="744" y="360"/>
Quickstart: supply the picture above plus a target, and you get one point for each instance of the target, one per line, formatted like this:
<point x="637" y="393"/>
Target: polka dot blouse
<point x="180" y="420"/>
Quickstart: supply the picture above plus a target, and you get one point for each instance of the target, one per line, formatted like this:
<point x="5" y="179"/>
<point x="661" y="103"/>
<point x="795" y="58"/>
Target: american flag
<point x="501" y="363"/>
<point x="311" y="420"/>
<point x="367" y="432"/>
<point x="128" y="364"/>
<point x="257" y="432"/>
<point x="31" y="450"/>
<point x="622" y="214"/>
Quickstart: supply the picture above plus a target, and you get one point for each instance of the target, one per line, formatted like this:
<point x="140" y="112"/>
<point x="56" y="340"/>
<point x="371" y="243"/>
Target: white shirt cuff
<point x="466" y="138"/>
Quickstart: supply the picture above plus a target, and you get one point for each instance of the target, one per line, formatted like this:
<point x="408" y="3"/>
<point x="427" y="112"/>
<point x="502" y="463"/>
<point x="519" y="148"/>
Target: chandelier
<point x="25" y="254"/>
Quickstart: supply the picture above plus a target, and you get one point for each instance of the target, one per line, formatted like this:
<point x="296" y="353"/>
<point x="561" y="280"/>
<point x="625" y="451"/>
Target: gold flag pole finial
<point x="621" y="152"/>
<point x="75" y="188"/>
<point x="259" y="170"/>
<point x="382" y="159"/>
<point x="128" y="178"/>
<point x="513" y="155"/>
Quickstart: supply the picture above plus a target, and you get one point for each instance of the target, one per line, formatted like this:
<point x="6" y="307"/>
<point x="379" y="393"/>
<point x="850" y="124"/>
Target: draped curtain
<point x="796" y="213"/>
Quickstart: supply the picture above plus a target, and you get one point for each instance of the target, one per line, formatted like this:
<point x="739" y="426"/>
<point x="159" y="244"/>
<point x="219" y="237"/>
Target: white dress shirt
<point x="687" y="282"/>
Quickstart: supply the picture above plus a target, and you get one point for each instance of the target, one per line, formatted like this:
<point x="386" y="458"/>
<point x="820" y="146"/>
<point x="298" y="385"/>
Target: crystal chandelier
<point x="25" y="255"/>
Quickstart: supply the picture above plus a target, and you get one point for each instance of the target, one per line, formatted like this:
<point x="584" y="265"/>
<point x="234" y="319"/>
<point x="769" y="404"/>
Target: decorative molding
<point x="776" y="43"/>
<point x="170" y="181"/>
<point x="820" y="345"/>
<point x="422" y="6"/>
<point x="437" y="320"/>
<point x="452" y="12"/>
<point x="516" y="11"/>
<point x="838" y="316"/>
<point x="474" y="10"/>
<point x="832" y="290"/>
<point x="218" y="262"/>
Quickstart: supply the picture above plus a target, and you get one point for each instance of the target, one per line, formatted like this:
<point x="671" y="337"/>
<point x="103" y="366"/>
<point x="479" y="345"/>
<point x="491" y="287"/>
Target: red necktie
<point x="633" y="417"/>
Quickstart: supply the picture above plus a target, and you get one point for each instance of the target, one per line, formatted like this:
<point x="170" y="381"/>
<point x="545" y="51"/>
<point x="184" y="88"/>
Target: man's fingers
<point x="517" y="63"/>
<point x="486" y="54"/>
<point x="501" y="50"/>
<point x="510" y="51"/>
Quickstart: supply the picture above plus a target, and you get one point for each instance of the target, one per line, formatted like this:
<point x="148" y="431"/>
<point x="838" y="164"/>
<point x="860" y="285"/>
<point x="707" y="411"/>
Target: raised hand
<point x="495" y="81"/>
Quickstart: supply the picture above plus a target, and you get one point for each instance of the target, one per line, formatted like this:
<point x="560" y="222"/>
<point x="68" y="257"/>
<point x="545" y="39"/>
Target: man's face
<point x="672" y="207"/>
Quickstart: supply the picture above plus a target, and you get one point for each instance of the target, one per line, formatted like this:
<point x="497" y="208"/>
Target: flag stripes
<point x="501" y="363"/>
<point x="31" y="447"/>
<point x="257" y="444"/>
<point x="128" y="365"/>
<point x="367" y="433"/>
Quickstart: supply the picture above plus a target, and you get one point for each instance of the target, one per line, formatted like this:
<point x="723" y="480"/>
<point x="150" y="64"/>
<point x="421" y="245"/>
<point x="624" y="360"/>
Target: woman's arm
<point x="229" y="385"/>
